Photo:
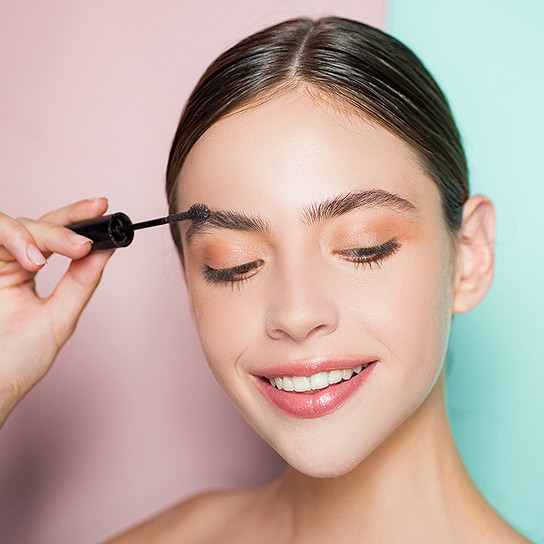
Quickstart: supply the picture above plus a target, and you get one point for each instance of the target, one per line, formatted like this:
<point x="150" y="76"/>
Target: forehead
<point x="293" y="149"/>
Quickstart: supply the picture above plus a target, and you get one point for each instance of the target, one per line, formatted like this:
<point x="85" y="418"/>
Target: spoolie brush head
<point x="198" y="212"/>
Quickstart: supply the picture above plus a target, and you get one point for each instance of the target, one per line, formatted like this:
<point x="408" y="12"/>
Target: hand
<point x="32" y="330"/>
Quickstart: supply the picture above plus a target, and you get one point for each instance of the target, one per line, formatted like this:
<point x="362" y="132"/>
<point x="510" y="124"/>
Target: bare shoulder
<point x="506" y="535"/>
<point x="509" y="535"/>
<point x="496" y="530"/>
<point x="193" y="521"/>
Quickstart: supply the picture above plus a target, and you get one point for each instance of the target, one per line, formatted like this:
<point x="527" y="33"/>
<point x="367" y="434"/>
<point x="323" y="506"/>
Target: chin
<point x="325" y="468"/>
<point x="321" y="453"/>
<point x="325" y="463"/>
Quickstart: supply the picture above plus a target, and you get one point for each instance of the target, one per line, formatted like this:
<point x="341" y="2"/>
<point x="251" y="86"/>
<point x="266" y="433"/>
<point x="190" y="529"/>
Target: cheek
<point x="227" y="325"/>
<point x="410" y="313"/>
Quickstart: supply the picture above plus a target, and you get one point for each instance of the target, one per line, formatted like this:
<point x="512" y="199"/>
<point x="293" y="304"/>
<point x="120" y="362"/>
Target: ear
<point x="475" y="251"/>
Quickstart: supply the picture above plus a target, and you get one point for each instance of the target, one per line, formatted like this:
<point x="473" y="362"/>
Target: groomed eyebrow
<point x="311" y="214"/>
<point x="371" y="198"/>
<point x="226" y="219"/>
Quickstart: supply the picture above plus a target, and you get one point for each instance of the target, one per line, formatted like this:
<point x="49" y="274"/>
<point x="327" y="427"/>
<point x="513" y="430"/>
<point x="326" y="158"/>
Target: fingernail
<point x="78" y="239"/>
<point x="96" y="199"/>
<point x="35" y="255"/>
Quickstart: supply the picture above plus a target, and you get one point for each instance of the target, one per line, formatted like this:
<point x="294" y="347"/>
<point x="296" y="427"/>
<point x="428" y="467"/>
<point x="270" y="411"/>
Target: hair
<point x="358" y="66"/>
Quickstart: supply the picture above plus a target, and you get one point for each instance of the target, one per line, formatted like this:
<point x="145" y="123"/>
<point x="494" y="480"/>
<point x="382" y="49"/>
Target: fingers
<point x="17" y="243"/>
<point x="46" y="238"/>
<point x="78" y="211"/>
<point x="31" y="242"/>
<point x="74" y="291"/>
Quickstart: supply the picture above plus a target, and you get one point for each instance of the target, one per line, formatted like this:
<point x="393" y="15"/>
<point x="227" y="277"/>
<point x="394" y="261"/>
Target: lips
<point x="315" y="403"/>
<point x="308" y="368"/>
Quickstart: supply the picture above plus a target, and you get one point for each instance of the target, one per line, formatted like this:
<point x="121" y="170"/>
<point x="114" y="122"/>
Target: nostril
<point x="300" y="331"/>
<point x="300" y="310"/>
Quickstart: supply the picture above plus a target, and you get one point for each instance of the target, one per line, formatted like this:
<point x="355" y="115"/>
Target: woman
<point x="341" y="241"/>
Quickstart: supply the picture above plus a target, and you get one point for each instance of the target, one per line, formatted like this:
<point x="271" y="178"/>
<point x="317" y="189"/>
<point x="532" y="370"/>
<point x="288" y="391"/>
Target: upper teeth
<point x="317" y="381"/>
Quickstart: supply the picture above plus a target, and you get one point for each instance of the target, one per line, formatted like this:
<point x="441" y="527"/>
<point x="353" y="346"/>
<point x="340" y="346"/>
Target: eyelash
<point x="368" y="255"/>
<point x="361" y="256"/>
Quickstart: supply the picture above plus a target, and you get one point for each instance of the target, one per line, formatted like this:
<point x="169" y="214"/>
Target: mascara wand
<point x="117" y="230"/>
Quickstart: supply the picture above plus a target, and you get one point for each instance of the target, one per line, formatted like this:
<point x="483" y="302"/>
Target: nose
<point x="300" y="306"/>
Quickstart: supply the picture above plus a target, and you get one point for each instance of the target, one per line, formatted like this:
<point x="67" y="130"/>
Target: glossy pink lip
<point x="308" y="368"/>
<point x="316" y="403"/>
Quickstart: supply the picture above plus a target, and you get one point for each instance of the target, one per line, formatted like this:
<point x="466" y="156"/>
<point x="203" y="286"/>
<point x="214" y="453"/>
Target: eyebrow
<point x="311" y="214"/>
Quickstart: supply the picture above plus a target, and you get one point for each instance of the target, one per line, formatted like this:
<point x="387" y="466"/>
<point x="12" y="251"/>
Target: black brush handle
<point x="106" y="231"/>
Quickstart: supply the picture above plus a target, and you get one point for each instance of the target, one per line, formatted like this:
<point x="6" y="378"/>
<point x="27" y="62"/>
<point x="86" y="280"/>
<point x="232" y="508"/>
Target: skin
<point x="306" y="302"/>
<point x="32" y="330"/>
<point x="383" y="467"/>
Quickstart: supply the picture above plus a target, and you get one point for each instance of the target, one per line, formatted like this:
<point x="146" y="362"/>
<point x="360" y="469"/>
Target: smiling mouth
<point x="319" y="394"/>
<point x="315" y="383"/>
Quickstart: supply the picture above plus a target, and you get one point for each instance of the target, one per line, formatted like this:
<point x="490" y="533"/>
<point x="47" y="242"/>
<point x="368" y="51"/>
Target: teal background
<point x="488" y="57"/>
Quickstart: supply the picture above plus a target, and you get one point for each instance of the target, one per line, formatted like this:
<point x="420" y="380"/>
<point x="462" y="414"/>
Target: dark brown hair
<point x="357" y="65"/>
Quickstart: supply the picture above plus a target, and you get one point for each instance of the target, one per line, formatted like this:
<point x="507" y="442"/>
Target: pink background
<point x="129" y="420"/>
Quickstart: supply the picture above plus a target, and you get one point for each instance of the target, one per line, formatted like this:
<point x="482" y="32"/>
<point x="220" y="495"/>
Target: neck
<point x="412" y="486"/>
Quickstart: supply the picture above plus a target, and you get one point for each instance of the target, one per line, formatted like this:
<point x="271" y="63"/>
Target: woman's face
<point x="279" y="286"/>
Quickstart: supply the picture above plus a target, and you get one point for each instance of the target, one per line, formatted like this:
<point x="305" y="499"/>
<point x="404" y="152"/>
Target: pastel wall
<point x="487" y="56"/>
<point x="129" y="420"/>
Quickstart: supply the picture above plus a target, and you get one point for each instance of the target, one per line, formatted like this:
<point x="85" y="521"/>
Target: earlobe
<point x="475" y="254"/>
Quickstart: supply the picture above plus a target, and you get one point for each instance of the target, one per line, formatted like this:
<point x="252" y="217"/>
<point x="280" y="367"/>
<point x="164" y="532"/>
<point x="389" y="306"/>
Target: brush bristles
<point x="198" y="212"/>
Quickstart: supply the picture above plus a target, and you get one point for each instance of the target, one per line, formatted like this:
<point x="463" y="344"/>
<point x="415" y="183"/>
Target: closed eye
<point x="231" y="275"/>
<point x="360" y="256"/>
